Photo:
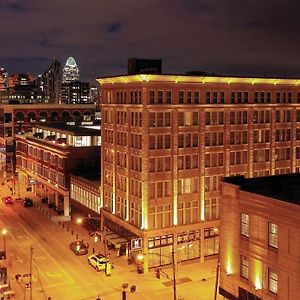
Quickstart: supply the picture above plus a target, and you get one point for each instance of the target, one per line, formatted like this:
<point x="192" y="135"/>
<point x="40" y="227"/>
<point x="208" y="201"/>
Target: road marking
<point x="53" y="275"/>
<point x="40" y="257"/>
<point x="25" y="237"/>
<point x="20" y="260"/>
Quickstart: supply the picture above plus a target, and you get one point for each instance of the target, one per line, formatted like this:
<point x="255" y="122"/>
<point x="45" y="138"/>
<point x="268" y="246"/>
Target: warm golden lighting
<point x="257" y="284"/>
<point x="4" y="231"/>
<point x="140" y="257"/>
<point x="228" y="267"/>
<point x="79" y="221"/>
<point x="195" y="79"/>
<point x="258" y="270"/>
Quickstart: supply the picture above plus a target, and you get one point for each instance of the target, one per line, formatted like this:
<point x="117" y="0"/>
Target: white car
<point x="98" y="261"/>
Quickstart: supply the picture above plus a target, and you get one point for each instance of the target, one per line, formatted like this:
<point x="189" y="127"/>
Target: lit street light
<point x="4" y="233"/>
<point x="80" y="220"/>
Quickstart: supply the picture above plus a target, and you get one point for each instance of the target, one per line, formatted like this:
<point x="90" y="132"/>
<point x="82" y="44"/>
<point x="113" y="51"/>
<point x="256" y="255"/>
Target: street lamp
<point x="4" y="233"/>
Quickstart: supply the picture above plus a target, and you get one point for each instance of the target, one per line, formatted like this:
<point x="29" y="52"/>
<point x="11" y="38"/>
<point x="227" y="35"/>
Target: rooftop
<point x="71" y="129"/>
<point x="284" y="187"/>
<point x="182" y="78"/>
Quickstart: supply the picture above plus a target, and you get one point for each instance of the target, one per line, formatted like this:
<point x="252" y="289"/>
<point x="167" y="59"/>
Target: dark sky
<point x="236" y="37"/>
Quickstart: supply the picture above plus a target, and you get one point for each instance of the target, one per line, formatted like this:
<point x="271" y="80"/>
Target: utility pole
<point x="174" y="273"/>
<point x="30" y="272"/>
<point x="217" y="277"/>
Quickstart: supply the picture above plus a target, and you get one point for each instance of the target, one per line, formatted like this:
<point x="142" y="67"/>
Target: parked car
<point x="27" y="202"/>
<point x="8" y="200"/>
<point x="79" y="247"/>
<point x="98" y="261"/>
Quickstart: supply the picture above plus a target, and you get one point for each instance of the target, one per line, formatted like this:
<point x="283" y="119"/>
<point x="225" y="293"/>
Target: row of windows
<point x="191" y="118"/>
<point x="191" y="161"/>
<point x="160" y="119"/>
<point x="135" y="97"/>
<point x="160" y="164"/>
<point x="40" y="154"/>
<point x="211" y="97"/>
<point x="272" y="274"/>
<point x="272" y="230"/>
<point x="135" y="210"/>
<point x="86" y="198"/>
<point x="42" y="170"/>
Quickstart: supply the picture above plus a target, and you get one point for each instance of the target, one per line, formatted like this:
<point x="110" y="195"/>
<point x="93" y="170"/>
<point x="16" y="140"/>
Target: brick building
<point x="20" y="118"/>
<point x="47" y="157"/>
<point x="167" y="141"/>
<point x="260" y="244"/>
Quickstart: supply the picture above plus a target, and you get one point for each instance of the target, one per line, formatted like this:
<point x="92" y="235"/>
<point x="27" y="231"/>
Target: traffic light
<point x="157" y="273"/>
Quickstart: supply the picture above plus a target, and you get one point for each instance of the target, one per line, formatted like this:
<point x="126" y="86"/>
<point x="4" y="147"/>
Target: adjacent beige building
<point x="260" y="238"/>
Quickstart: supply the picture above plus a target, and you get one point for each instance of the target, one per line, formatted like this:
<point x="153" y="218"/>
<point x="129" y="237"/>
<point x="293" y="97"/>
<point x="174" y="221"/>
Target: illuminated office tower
<point x="70" y="71"/>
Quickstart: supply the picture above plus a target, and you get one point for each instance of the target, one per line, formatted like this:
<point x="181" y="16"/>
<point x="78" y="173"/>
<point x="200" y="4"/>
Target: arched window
<point x="87" y="116"/>
<point x="76" y="116"/>
<point x="54" y="116"/>
<point x="43" y="116"/>
<point x="31" y="116"/>
<point x="66" y="116"/>
<point x="19" y="116"/>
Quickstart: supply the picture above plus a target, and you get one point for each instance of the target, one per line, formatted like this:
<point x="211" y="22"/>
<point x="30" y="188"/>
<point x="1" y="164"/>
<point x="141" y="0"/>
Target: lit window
<point x="273" y="281"/>
<point x="273" y="235"/>
<point x="245" y="225"/>
<point x="244" y="270"/>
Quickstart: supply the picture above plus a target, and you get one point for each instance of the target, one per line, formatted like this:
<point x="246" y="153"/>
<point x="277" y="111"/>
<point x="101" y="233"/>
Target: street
<point x="58" y="274"/>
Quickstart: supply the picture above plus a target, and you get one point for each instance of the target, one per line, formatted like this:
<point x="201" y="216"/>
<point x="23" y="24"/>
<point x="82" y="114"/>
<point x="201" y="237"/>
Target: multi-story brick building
<point x="167" y="141"/>
<point x="20" y="118"/>
<point x="48" y="156"/>
<point x="259" y="240"/>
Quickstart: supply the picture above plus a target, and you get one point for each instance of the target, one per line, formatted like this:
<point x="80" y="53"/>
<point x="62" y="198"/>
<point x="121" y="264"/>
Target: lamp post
<point x="4" y="233"/>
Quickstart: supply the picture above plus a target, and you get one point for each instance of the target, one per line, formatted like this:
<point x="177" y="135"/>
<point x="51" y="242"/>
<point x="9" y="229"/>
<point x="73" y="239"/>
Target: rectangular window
<point x="273" y="281"/>
<point x="244" y="269"/>
<point x="207" y="97"/>
<point x="244" y="224"/>
<point x="181" y="97"/>
<point x="273" y="235"/>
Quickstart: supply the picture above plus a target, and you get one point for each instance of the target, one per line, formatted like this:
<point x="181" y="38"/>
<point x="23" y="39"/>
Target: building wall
<point x="16" y="119"/>
<point x="256" y="248"/>
<point x="167" y="141"/>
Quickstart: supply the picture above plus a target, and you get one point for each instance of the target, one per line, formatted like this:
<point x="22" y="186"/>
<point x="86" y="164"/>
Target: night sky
<point x="227" y="37"/>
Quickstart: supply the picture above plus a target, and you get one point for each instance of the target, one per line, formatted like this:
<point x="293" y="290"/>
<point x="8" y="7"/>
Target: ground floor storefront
<point x="155" y="248"/>
<point x="55" y="197"/>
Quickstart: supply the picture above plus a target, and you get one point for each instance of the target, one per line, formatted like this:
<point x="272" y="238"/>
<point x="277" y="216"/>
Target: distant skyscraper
<point x="50" y="82"/>
<point x="75" y="92"/>
<point x="3" y="79"/>
<point x="70" y="71"/>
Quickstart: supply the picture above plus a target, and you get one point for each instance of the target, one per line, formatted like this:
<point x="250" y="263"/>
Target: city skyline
<point x="249" y="39"/>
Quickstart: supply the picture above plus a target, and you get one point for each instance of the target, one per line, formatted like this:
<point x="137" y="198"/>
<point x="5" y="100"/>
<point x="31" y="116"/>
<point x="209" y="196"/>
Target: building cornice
<point x="144" y="78"/>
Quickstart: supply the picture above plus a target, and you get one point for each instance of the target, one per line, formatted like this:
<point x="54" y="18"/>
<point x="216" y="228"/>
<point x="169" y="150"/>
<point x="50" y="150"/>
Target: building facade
<point x="3" y="79"/>
<point x="167" y="141"/>
<point x="20" y="118"/>
<point x="51" y="82"/>
<point x="48" y="156"/>
<point x="70" y="71"/>
<point x="75" y="92"/>
<point x="259" y="244"/>
<point x="85" y="199"/>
